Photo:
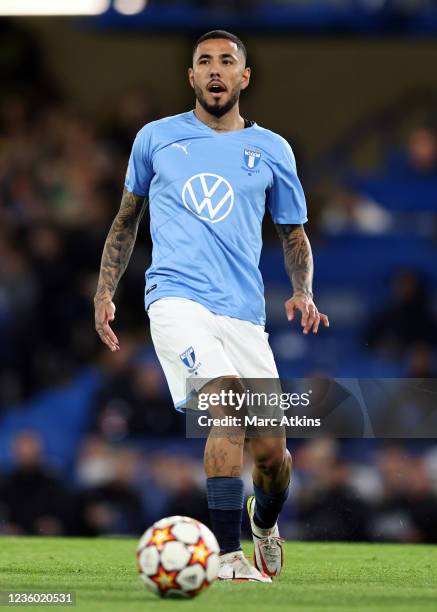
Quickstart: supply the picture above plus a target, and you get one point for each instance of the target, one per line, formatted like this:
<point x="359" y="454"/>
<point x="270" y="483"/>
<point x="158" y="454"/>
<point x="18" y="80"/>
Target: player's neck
<point x="229" y="122"/>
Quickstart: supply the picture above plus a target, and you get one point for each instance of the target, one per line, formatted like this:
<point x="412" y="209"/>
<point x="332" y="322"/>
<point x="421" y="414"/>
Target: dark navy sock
<point x="268" y="506"/>
<point x="225" y="503"/>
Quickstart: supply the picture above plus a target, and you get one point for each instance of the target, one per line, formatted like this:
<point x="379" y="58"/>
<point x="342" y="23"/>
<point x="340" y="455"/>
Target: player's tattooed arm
<point x="116" y="255"/>
<point x="298" y="259"/>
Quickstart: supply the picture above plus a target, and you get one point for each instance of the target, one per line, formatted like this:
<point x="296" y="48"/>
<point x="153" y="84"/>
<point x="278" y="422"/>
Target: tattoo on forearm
<point x="120" y="243"/>
<point x="298" y="257"/>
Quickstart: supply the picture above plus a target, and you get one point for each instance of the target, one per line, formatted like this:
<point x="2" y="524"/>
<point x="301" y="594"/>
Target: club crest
<point x="251" y="157"/>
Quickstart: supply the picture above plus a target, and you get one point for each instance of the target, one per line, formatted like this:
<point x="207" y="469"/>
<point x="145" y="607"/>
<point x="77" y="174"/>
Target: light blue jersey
<point x="208" y="193"/>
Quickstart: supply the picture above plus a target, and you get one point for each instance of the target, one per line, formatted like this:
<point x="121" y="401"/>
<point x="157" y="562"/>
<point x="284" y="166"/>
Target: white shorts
<point x="193" y="343"/>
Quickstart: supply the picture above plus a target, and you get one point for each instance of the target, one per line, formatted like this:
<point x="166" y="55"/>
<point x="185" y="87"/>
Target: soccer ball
<point x="178" y="557"/>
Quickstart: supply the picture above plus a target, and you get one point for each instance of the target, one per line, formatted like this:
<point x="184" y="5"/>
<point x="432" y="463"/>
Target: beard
<point x="215" y="109"/>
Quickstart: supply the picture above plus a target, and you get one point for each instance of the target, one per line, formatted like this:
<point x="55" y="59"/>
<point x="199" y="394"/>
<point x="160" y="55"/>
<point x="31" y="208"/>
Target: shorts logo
<point x="251" y="157"/>
<point x="188" y="357"/>
<point x="209" y="196"/>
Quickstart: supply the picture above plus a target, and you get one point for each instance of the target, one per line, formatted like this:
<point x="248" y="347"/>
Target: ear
<point x="191" y="77"/>
<point x="245" y="77"/>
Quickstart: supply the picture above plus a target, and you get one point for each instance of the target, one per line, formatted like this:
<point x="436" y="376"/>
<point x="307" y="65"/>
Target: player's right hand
<point x="104" y="311"/>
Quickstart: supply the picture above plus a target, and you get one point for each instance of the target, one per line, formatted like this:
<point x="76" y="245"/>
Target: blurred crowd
<point x="405" y="181"/>
<point x="61" y="176"/>
<point x="390" y="497"/>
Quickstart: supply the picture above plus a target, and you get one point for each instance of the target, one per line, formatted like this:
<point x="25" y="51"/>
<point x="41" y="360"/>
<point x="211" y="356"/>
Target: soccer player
<point x="208" y="176"/>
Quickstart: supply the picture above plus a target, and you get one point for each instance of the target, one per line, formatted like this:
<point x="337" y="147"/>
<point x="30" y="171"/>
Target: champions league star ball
<point x="178" y="557"/>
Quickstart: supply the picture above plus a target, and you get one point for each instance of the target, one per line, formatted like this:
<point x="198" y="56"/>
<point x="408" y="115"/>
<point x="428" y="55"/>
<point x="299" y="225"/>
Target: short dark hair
<point x="222" y="34"/>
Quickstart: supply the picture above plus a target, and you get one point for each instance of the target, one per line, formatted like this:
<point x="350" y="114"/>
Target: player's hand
<point x="311" y="317"/>
<point x="104" y="311"/>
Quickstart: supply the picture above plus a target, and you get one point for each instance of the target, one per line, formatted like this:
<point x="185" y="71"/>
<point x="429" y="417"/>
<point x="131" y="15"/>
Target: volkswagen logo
<point x="208" y="196"/>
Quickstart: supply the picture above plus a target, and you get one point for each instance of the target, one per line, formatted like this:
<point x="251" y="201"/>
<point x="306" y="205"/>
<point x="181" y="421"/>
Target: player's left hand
<point x="311" y="317"/>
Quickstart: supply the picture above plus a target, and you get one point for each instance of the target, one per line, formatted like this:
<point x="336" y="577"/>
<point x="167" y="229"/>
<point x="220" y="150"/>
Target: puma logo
<point x="181" y="146"/>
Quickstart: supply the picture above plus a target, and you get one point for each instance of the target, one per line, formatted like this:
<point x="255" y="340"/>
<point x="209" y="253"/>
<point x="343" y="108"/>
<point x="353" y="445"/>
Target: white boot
<point x="269" y="546"/>
<point x="235" y="566"/>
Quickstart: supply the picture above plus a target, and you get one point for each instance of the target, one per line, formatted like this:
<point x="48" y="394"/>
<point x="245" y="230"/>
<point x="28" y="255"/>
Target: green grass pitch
<point x="316" y="577"/>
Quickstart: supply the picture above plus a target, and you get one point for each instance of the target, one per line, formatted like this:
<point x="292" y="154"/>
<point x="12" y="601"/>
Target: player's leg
<point x="223" y="460"/>
<point x="247" y="345"/>
<point x="271" y="483"/>
<point x="271" y="471"/>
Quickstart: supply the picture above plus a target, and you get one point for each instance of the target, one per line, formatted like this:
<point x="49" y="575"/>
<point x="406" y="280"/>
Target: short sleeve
<point x="285" y="198"/>
<point x="139" y="171"/>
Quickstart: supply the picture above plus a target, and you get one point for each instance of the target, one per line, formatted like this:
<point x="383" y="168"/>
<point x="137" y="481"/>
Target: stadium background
<point x="89" y="443"/>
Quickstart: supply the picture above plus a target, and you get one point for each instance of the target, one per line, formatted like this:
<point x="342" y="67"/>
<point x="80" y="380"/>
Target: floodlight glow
<point x="129" y="7"/>
<point x="53" y="7"/>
